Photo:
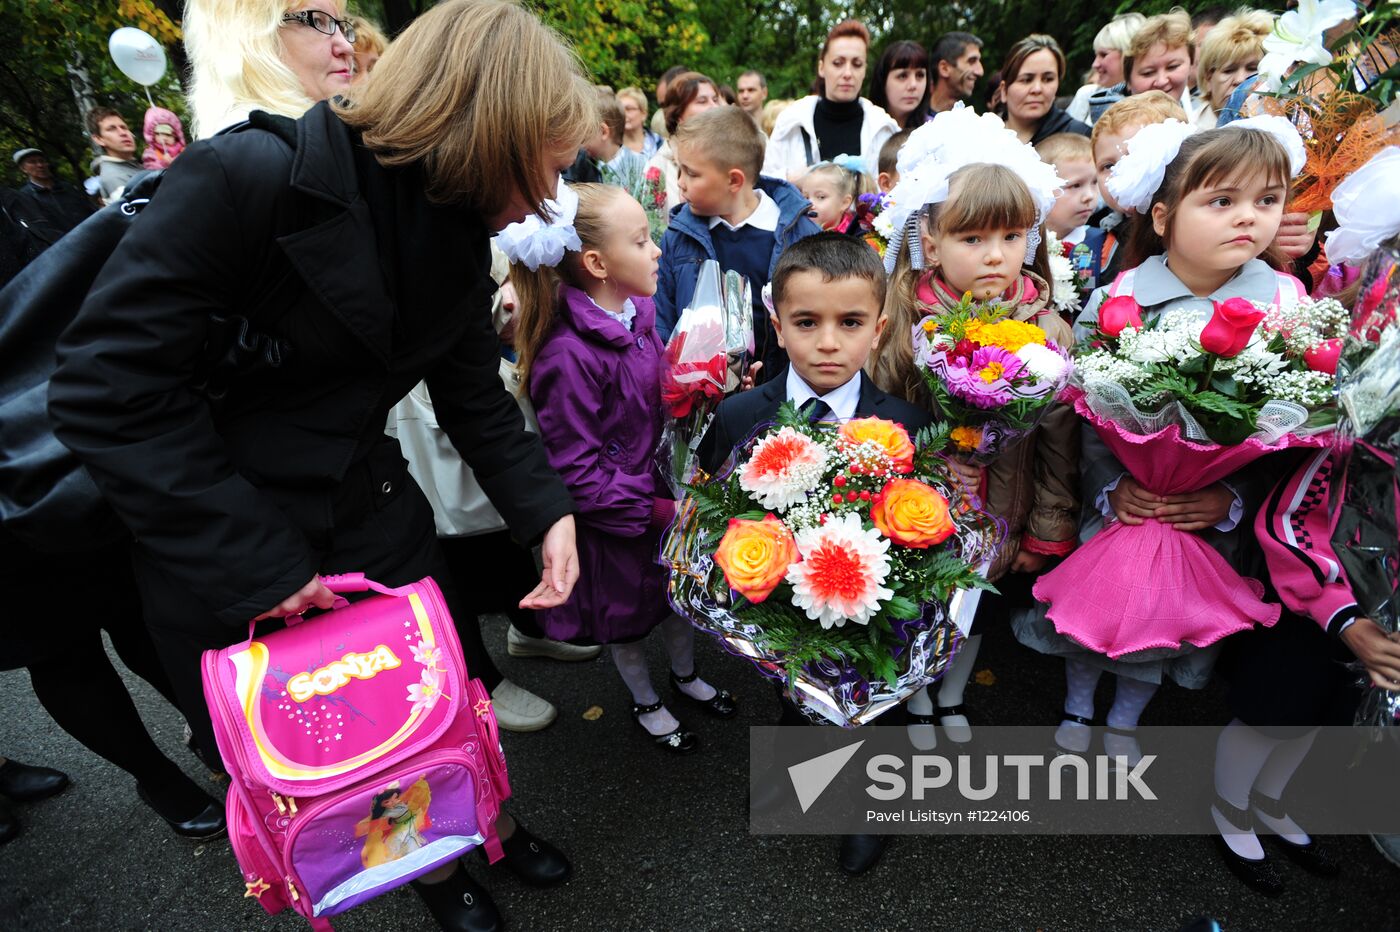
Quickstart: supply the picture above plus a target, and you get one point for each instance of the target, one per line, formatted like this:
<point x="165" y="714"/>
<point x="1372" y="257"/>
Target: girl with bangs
<point x="986" y="237"/>
<point x="1207" y="208"/>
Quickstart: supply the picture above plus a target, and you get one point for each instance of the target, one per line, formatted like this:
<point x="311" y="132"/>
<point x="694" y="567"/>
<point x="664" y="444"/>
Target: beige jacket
<point x="1034" y="487"/>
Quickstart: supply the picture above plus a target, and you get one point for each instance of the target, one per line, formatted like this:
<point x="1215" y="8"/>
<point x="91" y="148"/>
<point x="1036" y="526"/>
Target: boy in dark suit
<point x="828" y="312"/>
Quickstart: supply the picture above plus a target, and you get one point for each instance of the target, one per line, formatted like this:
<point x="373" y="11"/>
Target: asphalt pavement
<point x="662" y="843"/>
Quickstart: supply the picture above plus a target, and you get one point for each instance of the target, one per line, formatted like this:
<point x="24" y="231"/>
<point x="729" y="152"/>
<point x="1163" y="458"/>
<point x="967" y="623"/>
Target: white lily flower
<point x="1297" y="37"/>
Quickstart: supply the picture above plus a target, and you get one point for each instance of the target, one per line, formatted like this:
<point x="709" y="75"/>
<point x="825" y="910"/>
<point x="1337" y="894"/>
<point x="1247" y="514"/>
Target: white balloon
<point x="138" y="55"/>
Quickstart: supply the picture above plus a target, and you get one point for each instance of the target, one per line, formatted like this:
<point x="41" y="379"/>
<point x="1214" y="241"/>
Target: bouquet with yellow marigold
<point x="992" y="377"/>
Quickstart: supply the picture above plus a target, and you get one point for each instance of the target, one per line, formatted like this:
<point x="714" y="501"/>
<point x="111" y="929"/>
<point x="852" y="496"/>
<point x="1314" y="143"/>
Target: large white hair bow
<point x="1139" y="173"/>
<point x="939" y="148"/>
<point x="533" y="243"/>
<point x="1282" y="129"/>
<point x="1367" y="208"/>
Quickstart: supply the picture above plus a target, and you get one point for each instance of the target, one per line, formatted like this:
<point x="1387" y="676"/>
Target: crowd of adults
<point x="852" y="107"/>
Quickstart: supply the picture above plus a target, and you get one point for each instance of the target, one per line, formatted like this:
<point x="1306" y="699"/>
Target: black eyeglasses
<point x="323" y="23"/>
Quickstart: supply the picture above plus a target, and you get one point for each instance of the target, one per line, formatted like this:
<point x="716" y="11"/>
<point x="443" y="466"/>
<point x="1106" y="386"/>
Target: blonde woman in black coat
<point x="359" y="260"/>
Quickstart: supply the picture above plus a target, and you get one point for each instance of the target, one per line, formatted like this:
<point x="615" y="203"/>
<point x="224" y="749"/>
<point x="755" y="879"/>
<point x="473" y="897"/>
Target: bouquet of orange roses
<point x="833" y="557"/>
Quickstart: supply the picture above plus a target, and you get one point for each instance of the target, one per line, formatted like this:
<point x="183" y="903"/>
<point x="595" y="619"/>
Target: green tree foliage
<point x="54" y="63"/>
<point x="623" y="42"/>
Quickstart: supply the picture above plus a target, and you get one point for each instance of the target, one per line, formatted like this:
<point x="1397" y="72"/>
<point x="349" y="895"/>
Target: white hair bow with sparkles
<point x="939" y="148"/>
<point x="533" y="243"/>
<point x="1139" y="173"/>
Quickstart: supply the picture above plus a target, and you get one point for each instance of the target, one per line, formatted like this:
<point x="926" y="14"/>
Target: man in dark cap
<point x="46" y="206"/>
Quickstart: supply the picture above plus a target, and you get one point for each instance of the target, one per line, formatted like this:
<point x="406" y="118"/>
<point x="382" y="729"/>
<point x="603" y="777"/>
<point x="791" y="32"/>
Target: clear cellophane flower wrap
<point x="1367" y="533"/>
<point x="706" y="358"/>
<point x="849" y="665"/>
<point x="1180" y="417"/>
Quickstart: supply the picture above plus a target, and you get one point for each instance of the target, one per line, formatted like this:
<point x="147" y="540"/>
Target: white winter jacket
<point x="786" y="156"/>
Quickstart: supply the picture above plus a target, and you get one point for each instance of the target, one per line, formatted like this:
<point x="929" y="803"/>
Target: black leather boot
<point x="460" y="904"/>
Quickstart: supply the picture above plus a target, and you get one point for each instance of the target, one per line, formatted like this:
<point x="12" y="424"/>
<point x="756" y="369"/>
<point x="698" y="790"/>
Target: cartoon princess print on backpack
<point x="396" y="822"/>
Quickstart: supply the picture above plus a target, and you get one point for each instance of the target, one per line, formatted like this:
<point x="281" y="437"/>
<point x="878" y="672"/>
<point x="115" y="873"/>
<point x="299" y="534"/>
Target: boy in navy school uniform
<point x="732" y="215"/>
<point x="828" y="314"/>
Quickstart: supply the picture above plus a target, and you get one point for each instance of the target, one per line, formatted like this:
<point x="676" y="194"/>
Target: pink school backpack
<point x="360" y="754"/>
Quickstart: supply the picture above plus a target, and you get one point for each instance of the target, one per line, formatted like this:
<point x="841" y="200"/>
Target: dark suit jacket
<point x="236" y="503"/>
<point x="738" y="415"/>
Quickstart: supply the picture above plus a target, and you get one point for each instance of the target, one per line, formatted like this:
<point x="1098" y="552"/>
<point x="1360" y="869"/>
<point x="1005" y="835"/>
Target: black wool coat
<point x="379" y="289"/>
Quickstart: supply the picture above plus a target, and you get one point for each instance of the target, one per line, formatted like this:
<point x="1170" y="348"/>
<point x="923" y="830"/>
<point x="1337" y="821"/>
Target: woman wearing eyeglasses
<point x="267" y="55"/>
<point x="361" y="262"/>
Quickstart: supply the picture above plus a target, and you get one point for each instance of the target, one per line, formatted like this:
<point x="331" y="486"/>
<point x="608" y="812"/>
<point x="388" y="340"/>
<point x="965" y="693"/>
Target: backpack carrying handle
<point x="340" y="584"/>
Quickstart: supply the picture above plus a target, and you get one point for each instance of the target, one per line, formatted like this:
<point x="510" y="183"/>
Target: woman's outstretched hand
<point x="313" y="594"/>
<point x="560" y="555"/>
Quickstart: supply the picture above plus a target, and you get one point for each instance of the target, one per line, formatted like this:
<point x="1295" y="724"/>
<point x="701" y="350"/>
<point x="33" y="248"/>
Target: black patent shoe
<point x="1312" y="857"/>
<point x="25" y="784"/>
<point x="9" y="824"/>
<point x="678" y="741"/>
<point x="208" y="823"/>
<point x="1261" y="876"/>
<point x="721" y="705"/>
<point x="460" y="904"/>
<point x="859" y="853"/>
<point x="534" y="860"/>
<point x="1059" y="750"/>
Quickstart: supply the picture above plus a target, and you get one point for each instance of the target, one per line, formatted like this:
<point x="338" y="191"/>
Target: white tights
<point x="630" y="659"/>
<point x="1246" y="760"/>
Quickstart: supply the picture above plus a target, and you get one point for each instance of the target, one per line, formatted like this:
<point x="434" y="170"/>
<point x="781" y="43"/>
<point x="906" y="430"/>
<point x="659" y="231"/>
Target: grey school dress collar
<point x="1156" y="284"/>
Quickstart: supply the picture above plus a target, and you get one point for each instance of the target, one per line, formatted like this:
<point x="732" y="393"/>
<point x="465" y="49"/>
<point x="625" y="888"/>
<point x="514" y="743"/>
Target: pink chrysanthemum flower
<point x="784" y="467"/>
<point x="840" y="578"/>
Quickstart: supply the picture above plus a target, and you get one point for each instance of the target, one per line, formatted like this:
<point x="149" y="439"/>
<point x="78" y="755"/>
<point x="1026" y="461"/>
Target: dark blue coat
<point x="687" y="244"/>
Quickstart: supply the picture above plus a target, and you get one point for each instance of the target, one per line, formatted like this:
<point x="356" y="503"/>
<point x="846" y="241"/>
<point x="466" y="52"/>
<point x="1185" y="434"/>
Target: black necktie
<point x="815" y="410"/>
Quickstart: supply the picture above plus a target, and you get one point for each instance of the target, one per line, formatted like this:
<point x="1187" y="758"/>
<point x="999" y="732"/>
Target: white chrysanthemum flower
<point x="1044" y="363"/>
<point x="783" y="468"/>
<point x="842" y="572"/>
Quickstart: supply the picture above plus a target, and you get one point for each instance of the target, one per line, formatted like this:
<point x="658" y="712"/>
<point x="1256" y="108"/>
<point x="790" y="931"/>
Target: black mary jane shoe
<point x="532" y="859"/>
<point x="859" y="853"/>
<point x="209" y="823"/>
<point x="1113" y="763"/>
<point x="9" y="824"/>
<point x="678" y="741"/>
<point x="460" y="904"/>
<point x="721" y="705"/>
<point x="1261" y="876"/>
<point x="1058" y="750"/>
<point x="1312" y="857"/>
<point x="26" y="784"/>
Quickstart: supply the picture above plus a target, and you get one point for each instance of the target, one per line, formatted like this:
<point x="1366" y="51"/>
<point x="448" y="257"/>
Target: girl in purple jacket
<point x="591" y="359"/>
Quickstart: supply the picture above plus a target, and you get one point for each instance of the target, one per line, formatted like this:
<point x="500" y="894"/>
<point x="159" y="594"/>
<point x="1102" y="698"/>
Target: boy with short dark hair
<point x="732" y="215"/>
<point x="828" y="314"/>
<point x="616" y="163"/>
